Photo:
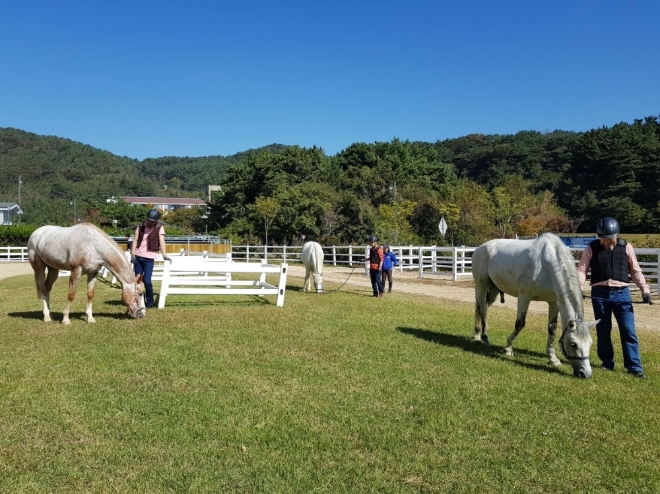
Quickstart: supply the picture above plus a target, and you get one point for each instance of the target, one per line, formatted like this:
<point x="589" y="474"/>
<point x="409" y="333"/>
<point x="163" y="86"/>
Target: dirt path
<point x="439" y="286"/>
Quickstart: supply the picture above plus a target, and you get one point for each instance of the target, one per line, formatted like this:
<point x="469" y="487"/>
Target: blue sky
<point x="198" y="78"/>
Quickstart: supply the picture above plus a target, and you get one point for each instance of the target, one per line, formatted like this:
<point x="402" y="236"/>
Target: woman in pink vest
<point x="149" y="239"/>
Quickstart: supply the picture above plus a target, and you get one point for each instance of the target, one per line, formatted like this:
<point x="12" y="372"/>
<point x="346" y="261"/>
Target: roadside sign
<point x="442" y="226"/>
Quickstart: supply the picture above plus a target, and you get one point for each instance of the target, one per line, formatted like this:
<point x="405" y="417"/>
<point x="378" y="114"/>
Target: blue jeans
<point x="619" y="303"/>
<point x="145" y="267"/>
<point x="376" y="281"/>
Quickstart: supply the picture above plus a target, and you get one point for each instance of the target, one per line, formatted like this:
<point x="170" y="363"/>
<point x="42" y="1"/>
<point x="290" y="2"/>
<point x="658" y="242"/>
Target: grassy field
<point x="333" y="393"/>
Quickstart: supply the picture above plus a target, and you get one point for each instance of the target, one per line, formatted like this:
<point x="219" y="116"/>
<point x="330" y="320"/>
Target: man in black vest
<point x="613" y="264"/>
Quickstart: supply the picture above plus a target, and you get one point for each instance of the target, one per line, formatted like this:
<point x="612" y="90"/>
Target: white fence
<point x="213" y="277"/>
<point x="13" y="254"/>
<point x="451" y="261"/>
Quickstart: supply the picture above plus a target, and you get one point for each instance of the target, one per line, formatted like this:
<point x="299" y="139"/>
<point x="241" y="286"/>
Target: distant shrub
<point x="16" y="235"/>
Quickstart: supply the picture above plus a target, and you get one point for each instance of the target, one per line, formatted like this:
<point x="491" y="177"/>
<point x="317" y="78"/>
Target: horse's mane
<point x="109" y="238"/>
<point x="565" y="264"/>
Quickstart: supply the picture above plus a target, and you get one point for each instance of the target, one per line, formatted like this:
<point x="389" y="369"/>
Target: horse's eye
<point x="574" y="345"/>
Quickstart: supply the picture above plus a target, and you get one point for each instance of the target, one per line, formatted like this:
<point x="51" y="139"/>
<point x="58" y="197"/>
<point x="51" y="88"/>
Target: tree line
<point x="485" y="186"/>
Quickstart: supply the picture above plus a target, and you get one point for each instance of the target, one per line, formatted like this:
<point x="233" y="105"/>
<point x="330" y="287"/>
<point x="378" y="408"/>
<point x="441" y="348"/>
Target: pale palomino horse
<point x="81" y="249"/>
<point x="312" y="259"/>
<point x="540" y="269"/>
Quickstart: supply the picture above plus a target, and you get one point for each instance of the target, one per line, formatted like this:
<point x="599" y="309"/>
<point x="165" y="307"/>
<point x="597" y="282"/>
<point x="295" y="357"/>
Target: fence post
<point x="366" y="260"/>
<point x="454" y="267"/>
<point x="350" y="255"/>
<point x="265" y="253"/>
<point x="284" y="253"/>
<point x="247" y="253"/>
<point x="420" y="262"/>
<point x="334" y="256"/>
<point x="657" y="277"/>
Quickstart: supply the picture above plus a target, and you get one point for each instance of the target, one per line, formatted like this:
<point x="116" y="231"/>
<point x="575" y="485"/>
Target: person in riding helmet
<point x="149" y="239"/>
<point x="613" y="264"/>
<point x="375" y="260"/>
<point x="389" y="261"/>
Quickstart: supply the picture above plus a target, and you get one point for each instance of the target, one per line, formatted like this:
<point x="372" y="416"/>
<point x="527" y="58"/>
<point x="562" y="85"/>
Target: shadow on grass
<point x="466" y="343"/>
<point x="57" y="316"/>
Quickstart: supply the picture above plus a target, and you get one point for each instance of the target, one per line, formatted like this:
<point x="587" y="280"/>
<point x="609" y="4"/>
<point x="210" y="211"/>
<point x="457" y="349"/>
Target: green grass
<point x="333" y="393"/>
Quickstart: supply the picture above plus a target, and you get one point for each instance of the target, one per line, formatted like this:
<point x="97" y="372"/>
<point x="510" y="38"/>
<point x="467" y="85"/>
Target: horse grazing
<point x="539" y="269"/>
<point x="312" y="259"/>
<point x="82" y="249"/>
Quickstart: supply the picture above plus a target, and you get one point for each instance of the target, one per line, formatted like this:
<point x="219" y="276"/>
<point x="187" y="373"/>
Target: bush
<point x="16" y="235"/>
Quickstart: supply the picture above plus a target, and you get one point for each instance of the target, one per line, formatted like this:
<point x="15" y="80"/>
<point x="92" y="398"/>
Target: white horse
<point x="81" y="249"/>
<point x="539" y="269"/>
<point x="312" y="259"/>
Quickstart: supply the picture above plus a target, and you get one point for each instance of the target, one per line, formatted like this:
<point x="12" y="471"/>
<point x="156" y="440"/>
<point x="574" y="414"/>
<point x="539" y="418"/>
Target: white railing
<point x="451" y="261"/>
<point x="13" y="254"/>
<point x="335" y="255"/>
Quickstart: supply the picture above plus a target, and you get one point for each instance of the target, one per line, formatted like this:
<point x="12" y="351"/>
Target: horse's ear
<point x="592" y="324"/>
<point x="139" y="278"/>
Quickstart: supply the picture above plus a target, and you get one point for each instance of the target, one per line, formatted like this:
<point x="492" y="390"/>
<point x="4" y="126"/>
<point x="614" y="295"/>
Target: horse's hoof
<point x="66" y="323"/>
<point x="555" y="363"/>
<point x="508" y="352"/>
<point x="91" y="320"/>
<point x="485" y="340"/>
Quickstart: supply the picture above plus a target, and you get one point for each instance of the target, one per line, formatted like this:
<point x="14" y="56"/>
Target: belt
<point x="609" y="288"/>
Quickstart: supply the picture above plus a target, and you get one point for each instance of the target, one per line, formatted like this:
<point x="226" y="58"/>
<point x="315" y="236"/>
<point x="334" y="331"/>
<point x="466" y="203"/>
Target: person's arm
<point x="133" y="244"/>
<point x="161" y="238"/>
<point x="636" y="273"/>
<point x="380" y="259"/>
<point x="583" y="265"/>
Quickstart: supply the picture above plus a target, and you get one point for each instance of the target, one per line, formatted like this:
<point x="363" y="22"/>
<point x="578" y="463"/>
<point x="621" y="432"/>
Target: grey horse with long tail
<point x="541" y="269"/>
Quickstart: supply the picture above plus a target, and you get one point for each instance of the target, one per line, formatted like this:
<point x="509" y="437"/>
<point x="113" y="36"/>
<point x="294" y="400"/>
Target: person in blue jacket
<point x="389" y="261"/>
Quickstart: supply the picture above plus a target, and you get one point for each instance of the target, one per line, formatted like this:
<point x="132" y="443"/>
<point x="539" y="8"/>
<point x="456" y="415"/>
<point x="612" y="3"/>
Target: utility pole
<point x="20" y="211"/>
<point x="75" y="214"/>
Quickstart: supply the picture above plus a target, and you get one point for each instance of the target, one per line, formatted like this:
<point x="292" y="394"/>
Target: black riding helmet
<point x="373" y="239"/>
<point x="608" y="228"/>
<point x="153" y="215"/>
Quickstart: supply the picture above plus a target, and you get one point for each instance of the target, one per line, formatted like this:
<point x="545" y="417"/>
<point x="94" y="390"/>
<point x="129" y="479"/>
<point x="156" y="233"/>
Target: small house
<point x="8" y="212"/>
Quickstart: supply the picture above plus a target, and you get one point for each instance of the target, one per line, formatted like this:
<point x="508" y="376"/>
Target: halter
<point x="563" y="348"/>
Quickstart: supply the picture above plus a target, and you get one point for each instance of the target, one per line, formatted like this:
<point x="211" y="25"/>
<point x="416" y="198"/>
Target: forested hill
<point x="484" y="185"/>
<point x="56" y="170"/>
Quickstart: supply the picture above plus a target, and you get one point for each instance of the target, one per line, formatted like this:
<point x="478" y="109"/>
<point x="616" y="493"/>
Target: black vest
<point x="374" y="258"/>
<point x="609" y="264"/>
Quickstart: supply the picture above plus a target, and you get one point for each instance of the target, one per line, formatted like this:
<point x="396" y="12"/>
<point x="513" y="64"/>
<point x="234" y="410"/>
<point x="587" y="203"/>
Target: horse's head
<point x="575" y="343"/>
<point x="132" y="295"/>
<point x="318" y="283"/>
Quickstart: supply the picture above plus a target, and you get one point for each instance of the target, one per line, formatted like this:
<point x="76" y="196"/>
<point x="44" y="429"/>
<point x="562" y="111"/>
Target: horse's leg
<point x="91" y="280"/>
<point x="480" y="310"/>
<point x="491" y="295"/>
<point x="40" y="280"/>
<point x="485" y="293"/>
<point x="308" y="280"/>
<point x="523" y="305"/>
<point x="53" y="273"/>
<point x="73" y="285"/>
<point x="553" y="313"/>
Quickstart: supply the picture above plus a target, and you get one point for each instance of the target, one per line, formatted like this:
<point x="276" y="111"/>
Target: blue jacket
<point x="389" y="261"/>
